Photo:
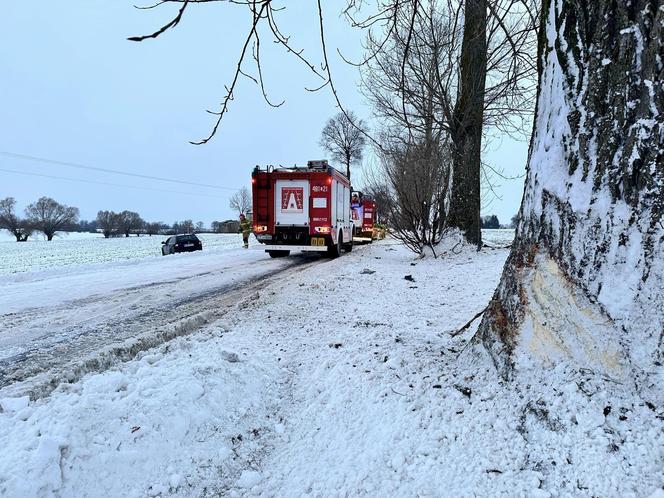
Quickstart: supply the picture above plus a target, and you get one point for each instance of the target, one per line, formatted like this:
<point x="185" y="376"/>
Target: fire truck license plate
<point x="317" y="241"/>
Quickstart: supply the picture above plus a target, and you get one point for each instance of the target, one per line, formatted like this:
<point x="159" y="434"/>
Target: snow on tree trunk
<point x="585" y="278"/>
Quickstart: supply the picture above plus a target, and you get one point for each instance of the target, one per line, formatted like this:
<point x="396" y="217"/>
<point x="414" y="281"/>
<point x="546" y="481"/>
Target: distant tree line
<point x="228" y="226"/>
<point x="48" y="216"/>
<point x="113" y="224"/>
<point x="490" y="221"/>
<point x="126" y="223"/>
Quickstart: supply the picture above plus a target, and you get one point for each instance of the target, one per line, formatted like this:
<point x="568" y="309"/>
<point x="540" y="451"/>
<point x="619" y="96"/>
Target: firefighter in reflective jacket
<point x="245" y="228"/>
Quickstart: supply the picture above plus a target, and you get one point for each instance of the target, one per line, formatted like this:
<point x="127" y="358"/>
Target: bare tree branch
<point x="174" y="22"/>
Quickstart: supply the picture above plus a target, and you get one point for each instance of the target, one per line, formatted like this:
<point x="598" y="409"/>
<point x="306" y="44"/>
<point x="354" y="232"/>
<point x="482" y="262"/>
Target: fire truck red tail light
<point x="323" y="229"/>
<point x="260" y="228"/>
<point x="329" y="181"/>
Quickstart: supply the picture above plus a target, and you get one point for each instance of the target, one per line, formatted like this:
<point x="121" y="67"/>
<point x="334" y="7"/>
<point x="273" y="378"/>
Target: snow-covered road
<point x="63" y="323"/>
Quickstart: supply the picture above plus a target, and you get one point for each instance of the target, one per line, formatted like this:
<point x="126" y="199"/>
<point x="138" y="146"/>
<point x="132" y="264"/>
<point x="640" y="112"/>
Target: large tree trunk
<point x="464" y="210"/>
<point x="585" y="279"/>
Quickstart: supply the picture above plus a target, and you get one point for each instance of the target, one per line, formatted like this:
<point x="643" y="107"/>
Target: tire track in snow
<point x="94" y="344"/>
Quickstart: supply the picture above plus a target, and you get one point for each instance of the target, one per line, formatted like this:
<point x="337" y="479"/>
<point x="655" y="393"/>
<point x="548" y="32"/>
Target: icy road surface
<point x="85" y="316"/>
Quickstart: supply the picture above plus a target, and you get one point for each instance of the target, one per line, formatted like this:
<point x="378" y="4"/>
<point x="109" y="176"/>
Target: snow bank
<point x="178" y="419"/>
<point x="14" y="404"/>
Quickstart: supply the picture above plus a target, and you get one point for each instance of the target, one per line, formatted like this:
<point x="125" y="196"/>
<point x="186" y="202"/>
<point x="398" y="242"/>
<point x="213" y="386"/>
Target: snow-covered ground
<point x="340" y="378"/>
<point x="88" y="249"/>
<point x="498" y="237"/>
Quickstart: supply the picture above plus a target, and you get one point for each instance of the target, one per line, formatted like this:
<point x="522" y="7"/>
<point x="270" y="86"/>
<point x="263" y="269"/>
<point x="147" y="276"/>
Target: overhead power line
<point x="54" y="177"/>
<point x="108" y="170"/>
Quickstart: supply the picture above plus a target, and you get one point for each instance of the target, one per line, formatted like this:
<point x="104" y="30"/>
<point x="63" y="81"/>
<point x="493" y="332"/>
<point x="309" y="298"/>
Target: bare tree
<point x="438" y="68"/>
<point x="343" y="138"/>
<point x="11" y="222"/>
<point x="240" y="201"/>
<point x="129" y="221"/>
<point x="187" y="226"/>
<point x="153" y="228"/>
<point x="417" y="179"/>
<point x="49" y="216"/>
<point x="415" y="153"/>
<point x="109" y="222"/>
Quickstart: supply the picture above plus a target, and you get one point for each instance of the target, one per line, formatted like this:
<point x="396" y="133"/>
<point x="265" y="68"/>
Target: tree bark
<point x="583" y="282"/>
<point x="464" y="210"/>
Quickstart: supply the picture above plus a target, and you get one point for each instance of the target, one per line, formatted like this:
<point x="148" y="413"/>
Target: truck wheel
<point x="335" y="250"/>
<point x="349" y="247"/>
<point x="278" y="254"/>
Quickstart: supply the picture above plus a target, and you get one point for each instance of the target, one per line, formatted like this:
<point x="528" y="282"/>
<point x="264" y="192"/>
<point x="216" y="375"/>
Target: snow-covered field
<point x="77" y="249"/>
<point x="338" y="379"/>
<point x="498" y="238"/>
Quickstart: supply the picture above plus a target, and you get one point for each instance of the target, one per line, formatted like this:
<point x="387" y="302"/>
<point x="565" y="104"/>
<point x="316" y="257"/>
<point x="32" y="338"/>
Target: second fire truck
<point x="364" y="216"/>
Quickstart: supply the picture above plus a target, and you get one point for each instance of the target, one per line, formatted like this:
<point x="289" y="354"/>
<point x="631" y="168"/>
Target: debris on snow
<point x="230" y="356"/>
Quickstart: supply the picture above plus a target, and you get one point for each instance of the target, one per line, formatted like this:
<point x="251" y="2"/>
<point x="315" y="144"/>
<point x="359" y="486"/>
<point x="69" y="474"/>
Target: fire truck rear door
<point x="291" y="202"/>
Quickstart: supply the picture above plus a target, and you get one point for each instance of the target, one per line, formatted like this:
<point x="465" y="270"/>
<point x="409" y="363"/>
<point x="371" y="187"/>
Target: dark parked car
<point x="181" y="243"/>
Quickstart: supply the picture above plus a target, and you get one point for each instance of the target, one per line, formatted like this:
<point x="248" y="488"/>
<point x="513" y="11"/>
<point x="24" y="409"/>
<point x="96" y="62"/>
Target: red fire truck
<point x="364" y="216"/>
<point x="302" y="209"/>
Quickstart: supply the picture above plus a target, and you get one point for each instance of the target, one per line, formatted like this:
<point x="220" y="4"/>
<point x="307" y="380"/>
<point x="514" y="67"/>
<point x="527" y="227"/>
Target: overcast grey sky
<point x="73" y="89"/>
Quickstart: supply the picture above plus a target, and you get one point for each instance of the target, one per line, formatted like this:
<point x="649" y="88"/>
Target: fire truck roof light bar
<point x="317" y="165"/>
